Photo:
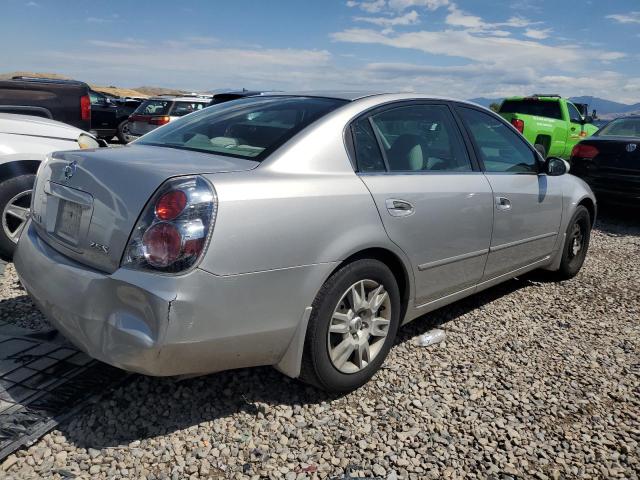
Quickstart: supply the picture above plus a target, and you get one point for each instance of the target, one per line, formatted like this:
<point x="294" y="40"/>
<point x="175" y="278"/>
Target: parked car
<point x="66" y="101"/>
<point x="24" y="143"/>
<point x="110" y="115"/>
<point x="552" y="123"/>
<point x="609" y="161"/>
<point x="292" y="230"/>
<point x="158" y="111"/>
<point x="232" y="95"/>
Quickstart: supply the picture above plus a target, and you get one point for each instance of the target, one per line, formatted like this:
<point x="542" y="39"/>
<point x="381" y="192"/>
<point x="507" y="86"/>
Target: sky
<point x="455" y="48"/>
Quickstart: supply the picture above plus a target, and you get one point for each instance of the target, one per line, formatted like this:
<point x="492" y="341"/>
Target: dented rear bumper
<point x="168" y="325"/>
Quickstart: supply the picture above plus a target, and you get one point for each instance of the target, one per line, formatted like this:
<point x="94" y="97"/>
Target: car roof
<point x="170" y="98"/>
<point x="353" y="96"/>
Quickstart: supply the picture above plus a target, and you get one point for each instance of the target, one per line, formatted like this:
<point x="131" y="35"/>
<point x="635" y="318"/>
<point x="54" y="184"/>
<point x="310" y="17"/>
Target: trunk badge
<point x="98" y="246"/>
<point x="70" y="170"/>
<point x="631" y="147"/>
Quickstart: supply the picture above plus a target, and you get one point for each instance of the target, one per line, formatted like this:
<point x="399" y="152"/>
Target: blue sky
<point x="458" y="48"/>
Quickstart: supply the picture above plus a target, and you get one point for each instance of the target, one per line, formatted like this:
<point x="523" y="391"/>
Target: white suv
<point x="158" y="111"/>
<point x="24" y="142"/>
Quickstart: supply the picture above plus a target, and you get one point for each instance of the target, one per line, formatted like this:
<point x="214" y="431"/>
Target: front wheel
<point x="353" y="323"/>
<point x="576" y="244"/>
<point x="15" y="202"/>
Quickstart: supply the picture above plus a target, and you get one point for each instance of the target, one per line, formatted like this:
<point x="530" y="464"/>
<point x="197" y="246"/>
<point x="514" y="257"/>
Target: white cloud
<point x="410" y="18"/>
<point x="631" y="17"/>
<point x="32" y="4"/>
<point x="118" y="45"/>
<point x="373" y="6"/>
<point x="537" y="34"/>
<point x="459" y="18"/>
<point x="428" y="4"/>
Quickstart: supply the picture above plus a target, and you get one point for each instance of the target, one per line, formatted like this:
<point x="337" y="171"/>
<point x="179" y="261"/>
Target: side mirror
<point x="556" y="166"/>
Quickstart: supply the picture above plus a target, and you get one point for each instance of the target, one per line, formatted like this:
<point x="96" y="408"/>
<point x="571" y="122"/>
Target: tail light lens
<point x="519" y="124"/>
<point x="584" y="151"/>
<point x="85" y="108"/>
<point x="174" y="229"/>
<point x="162" y="120"/>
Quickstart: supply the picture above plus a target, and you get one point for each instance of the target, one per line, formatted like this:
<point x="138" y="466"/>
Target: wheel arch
<point x="591" y="208"/>
<point x="18" y="167"/>
<point x="395" y="264"/>
<point x="290" y="363"/>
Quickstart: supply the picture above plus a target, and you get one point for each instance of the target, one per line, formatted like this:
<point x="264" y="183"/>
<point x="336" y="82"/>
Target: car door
<point x="434" y="202"/>
<point x="102" y="113"/>
<point x="527" y="204"/>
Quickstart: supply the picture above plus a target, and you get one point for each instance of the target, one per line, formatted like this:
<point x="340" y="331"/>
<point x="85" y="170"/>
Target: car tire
<point x="376" y="325"/>
<point x="123" y="132"/>
<point x="576" y="244"/>
<point x="14" y="191"/>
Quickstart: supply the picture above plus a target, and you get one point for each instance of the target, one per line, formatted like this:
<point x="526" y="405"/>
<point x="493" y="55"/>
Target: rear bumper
<point x="168" y="325"/>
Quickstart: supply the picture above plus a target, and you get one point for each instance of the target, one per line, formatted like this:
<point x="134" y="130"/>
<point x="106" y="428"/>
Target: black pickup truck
<point x="66" y="101"/>
<point x="109" y="115"/>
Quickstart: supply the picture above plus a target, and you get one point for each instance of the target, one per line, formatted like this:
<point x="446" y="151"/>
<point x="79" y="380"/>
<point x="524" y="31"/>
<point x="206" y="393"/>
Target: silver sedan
<point x="297" y="230"/>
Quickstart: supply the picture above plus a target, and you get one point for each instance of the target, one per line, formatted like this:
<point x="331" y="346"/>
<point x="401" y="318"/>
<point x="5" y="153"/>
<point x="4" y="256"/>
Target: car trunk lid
<point x="86" y="204"/>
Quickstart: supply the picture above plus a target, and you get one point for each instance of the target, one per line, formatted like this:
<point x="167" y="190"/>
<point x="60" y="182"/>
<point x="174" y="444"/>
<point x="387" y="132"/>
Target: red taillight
<point x="173" y="230"/>
<point x="584" y="151"/>
<point x="85" y="108"/>
<point x="162" y="243"/>
<point x="519" y="124"/>
<point x="162" y="120"/>
<point x="171" y="204"/>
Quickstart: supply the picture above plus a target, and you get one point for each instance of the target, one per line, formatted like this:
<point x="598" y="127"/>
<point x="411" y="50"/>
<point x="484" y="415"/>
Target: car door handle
<point x="399" y="208"/>
<point x="503" y="203"/>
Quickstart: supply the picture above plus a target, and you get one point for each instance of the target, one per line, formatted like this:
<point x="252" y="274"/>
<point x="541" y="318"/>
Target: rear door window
<point x="421" y="138"/>
<point x="541" y="108"/>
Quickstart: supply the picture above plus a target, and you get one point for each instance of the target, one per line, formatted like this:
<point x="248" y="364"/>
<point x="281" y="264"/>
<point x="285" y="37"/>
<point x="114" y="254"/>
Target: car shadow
<point x="147" y="407"/>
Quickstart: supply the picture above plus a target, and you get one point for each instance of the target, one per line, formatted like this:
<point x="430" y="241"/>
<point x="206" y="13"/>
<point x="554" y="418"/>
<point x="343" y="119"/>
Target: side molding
<point x="290" y="362"/>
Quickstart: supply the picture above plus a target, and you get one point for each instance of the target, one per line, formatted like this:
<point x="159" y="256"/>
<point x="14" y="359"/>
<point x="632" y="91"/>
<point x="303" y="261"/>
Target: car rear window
<point x="181" y="109"/>
<point x="154" y="107"/>
<point x="622" y="127"/>
<point x="541" y="108"/>
<point x="248" y="128"/>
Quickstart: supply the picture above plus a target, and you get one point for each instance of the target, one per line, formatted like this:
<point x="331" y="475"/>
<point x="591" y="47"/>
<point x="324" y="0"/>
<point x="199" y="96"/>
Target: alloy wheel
<point x="359" y="326"/>
<point x="16" y="214"/>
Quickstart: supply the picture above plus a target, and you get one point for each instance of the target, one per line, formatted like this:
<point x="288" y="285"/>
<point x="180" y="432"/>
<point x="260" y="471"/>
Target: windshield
<point x="541" y="108"/>
<point x="622" y="127"/>
<point x="248" y="128"/>
<point x="153" y="107"/>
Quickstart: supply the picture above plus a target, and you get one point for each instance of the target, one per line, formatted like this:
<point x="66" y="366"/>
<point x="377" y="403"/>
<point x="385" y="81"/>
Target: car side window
<point x="574" y="114"/>
<point x="421" y="138"/>
<point x="500" y="148"/>
<point x="368" y="155"/>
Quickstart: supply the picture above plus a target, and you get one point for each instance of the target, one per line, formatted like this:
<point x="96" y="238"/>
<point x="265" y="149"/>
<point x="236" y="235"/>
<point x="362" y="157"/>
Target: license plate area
<point x="68" y="221"/>
<point x="67" y="214"/>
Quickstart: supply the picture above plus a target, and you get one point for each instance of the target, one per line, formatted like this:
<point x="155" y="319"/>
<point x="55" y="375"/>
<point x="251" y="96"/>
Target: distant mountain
<point x="606" y="109"/>
<point x="605" y="106"/>
<point x="485" y="102"/>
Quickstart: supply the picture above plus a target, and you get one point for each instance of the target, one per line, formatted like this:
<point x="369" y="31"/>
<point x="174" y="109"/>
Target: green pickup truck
<point x="552" y="123"/>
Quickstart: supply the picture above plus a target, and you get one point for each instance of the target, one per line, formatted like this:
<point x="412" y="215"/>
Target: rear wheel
<point x="15" y="202"/>
<point x="123" y="132"/>
<point x="353" y="324"/>
<point x="542" y="150"/>
<point x="576" y="244"/>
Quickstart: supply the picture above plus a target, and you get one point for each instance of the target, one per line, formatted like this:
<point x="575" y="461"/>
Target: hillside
<point x="144" y="91"/>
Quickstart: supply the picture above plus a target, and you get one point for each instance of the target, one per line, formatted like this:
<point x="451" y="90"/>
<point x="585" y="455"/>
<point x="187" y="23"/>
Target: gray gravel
<point x="15" y="306"/>
<point x="535" y="380"/>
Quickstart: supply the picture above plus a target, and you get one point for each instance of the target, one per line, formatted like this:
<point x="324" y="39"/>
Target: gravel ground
<point x="535" y="380"/>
